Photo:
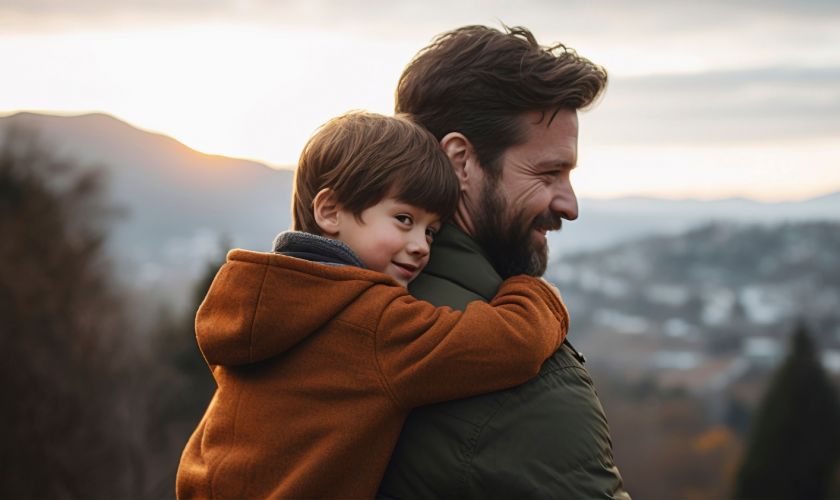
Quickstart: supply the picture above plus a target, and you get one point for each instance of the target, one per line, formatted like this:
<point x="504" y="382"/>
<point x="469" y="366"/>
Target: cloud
<point x="681" y="71"/>
<point x="651" y="17"/>
<point x="644" y="36"/>
<point x="750" y="105"/>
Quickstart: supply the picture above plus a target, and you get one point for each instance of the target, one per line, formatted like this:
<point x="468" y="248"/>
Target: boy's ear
<point x="462" y="156"/>
<point x="326" y="209"/>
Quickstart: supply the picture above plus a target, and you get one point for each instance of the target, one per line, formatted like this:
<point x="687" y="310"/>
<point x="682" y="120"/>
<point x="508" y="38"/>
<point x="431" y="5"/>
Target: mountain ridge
<point x="103" y="118"/>
<point x="181" y="202"/>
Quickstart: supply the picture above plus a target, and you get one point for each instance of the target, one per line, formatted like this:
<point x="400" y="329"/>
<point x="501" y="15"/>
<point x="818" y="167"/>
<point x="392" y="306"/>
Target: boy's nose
<point x="418" y="246"/>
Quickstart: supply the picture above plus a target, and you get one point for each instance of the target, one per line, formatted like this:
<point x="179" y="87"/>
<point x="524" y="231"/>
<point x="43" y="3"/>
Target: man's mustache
<point x="548" y="221"/>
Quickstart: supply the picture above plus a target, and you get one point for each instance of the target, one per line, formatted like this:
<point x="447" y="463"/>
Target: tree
<point x="795" y="441"/>
<point x="182" y="385"/>
<point x="61" y="332"/>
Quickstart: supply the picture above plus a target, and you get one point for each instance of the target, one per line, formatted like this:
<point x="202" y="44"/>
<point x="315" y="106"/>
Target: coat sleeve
<point x="428" y="354"/>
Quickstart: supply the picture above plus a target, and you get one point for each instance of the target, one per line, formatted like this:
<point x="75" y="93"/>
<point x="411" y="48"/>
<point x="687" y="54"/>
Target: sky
<point x="706" y="99"/>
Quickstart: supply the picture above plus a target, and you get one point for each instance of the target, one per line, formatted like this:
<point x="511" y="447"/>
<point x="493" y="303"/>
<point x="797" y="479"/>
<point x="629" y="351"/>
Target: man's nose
<point x="564" y="202"/>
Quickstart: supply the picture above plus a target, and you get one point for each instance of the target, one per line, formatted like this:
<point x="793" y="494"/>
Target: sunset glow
<point x="694" y="108"/>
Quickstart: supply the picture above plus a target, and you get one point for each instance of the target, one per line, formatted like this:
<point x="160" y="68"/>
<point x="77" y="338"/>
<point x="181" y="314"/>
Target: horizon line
<point x="291" y="168"/>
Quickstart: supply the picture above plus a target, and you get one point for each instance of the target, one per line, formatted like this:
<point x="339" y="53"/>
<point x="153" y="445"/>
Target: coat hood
<point x="262" y="304"/>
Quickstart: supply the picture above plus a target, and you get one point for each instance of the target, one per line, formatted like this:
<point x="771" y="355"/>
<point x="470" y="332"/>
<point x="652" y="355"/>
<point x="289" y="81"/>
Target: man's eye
<point x="404" y="219"/>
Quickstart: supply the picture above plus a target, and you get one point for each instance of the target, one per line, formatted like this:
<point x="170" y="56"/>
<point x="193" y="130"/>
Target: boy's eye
<point x="404" y="218"/>
<point x="431" y="233"/>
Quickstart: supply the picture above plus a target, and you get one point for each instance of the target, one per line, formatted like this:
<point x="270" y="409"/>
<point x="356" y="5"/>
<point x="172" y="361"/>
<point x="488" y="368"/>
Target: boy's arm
<point x="430" y="354"/>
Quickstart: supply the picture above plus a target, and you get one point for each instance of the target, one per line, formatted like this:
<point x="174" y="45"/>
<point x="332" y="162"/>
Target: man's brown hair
<point x="479" y="81"/>
<point x="364" y="158"/>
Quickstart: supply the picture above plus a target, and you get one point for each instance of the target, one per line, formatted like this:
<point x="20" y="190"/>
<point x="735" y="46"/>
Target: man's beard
<point x="508" y="241"/>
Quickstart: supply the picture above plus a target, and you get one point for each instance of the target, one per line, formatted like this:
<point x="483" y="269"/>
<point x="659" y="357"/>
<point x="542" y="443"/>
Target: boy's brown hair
<point x="364" y="158"/>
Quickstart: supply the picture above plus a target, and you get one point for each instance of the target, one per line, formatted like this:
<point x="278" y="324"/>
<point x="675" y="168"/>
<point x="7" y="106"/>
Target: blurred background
<point x="139" y="141"/>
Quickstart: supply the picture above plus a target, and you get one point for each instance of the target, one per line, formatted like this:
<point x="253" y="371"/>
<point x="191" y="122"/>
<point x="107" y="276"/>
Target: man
<point x="505" y="111"/>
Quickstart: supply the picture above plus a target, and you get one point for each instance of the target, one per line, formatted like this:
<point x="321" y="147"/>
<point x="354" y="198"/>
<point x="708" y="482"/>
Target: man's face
<point x="532" y="196"/>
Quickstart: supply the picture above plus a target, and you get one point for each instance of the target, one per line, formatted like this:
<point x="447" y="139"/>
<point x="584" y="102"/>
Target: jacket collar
<point x="315" y="248"/>
<point x="458" y="258"/>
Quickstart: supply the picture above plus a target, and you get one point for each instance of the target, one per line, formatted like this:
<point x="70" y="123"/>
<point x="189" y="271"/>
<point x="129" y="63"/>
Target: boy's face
<point x="391" y="237"/>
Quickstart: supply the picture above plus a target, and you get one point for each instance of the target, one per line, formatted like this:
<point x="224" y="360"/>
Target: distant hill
<point x="606" y="222"/>
<point x="705" y="291"/>
<point x="177" y="201"/>
<point x="706" y="313"/>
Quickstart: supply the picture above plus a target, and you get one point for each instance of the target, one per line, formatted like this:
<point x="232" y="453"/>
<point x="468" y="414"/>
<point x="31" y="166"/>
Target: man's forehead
<point x="550" y="137"/>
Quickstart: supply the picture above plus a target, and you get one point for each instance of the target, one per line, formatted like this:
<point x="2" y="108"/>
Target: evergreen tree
<point x="795" y="442"/>
<point x="190" y="383"/>
<point x="64" y="432"/>
<point x="183" y="385"/>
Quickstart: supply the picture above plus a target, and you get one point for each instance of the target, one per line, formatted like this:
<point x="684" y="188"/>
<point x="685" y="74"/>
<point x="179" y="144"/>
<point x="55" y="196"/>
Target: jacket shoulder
<point x="262" y="304"/>
<point x="442" y="292"/>
<point x="546" y="438"/>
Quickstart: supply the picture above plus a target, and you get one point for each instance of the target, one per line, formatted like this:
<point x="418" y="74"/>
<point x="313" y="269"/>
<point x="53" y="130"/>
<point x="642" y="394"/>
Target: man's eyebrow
<point x="558" y="164"/>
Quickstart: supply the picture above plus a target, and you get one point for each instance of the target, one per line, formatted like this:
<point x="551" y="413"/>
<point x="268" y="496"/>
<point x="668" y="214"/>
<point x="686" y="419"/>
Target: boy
<point x="318" y="350"/>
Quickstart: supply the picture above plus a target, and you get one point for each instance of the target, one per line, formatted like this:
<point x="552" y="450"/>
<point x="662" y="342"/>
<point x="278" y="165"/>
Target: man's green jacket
<point x="547" y="438"/>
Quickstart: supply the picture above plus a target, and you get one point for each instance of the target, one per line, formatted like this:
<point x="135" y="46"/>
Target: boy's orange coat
<point x="317" y="367"/>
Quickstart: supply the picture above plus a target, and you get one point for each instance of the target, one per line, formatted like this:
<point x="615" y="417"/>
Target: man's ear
<point x="326" y="209"/>
<point x="462" y="156"/>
